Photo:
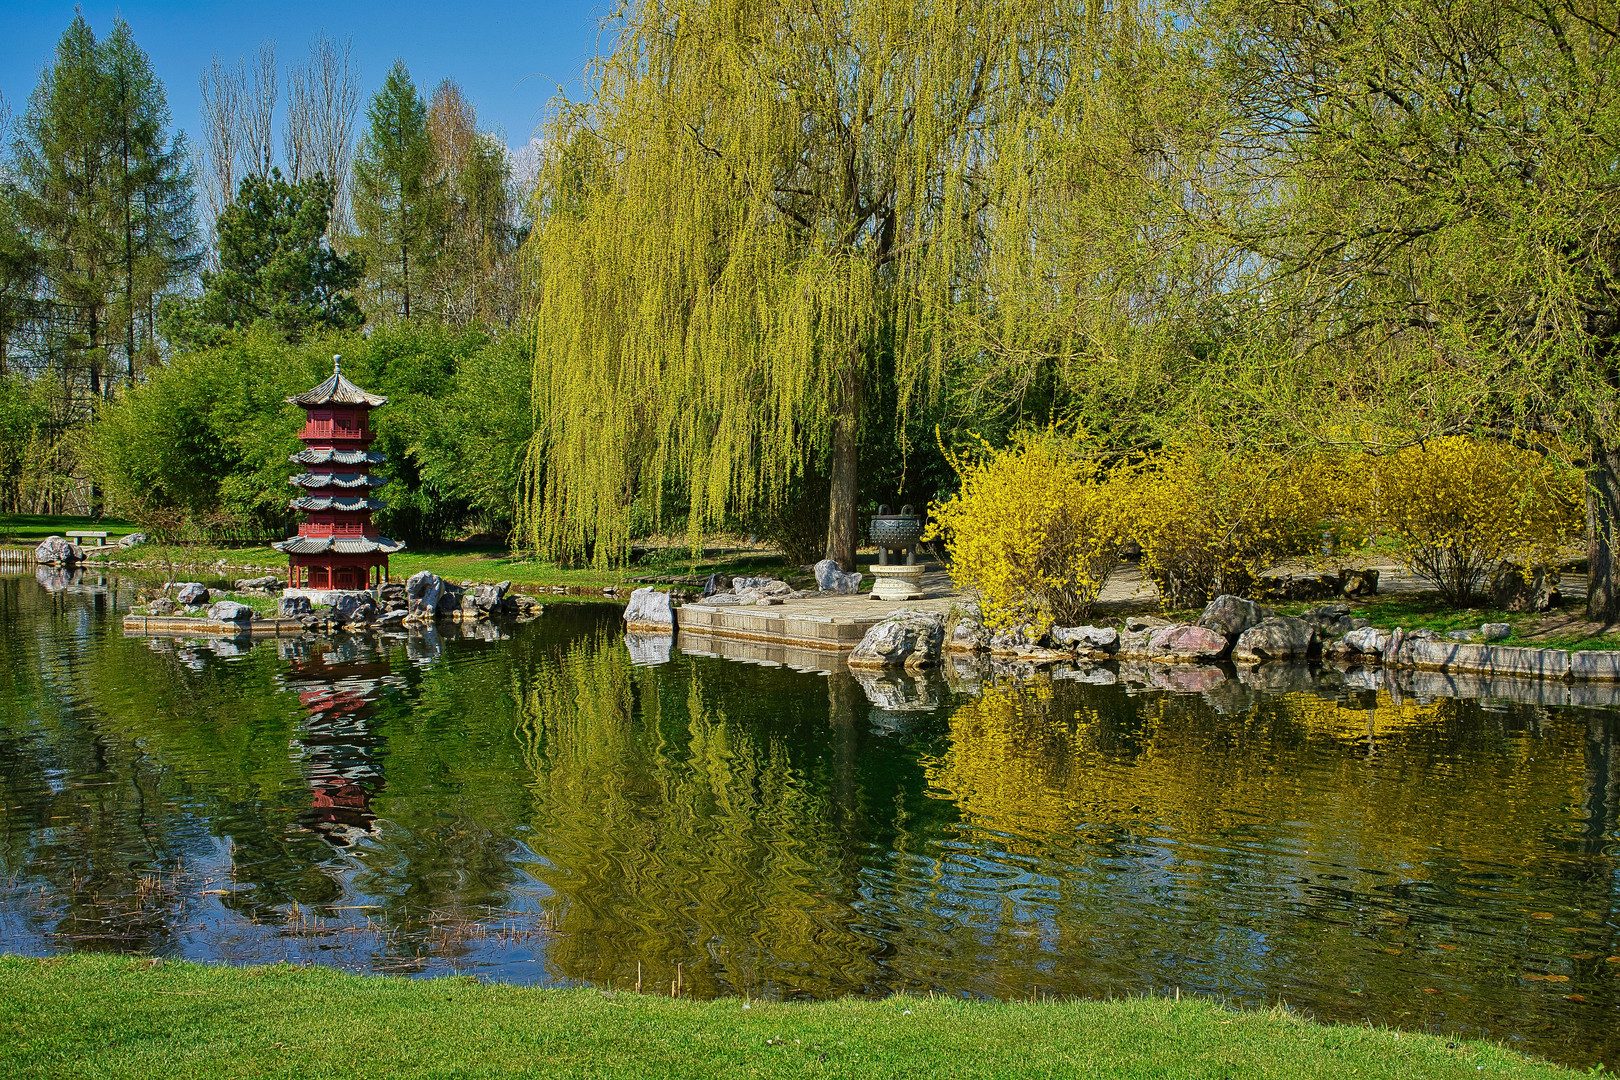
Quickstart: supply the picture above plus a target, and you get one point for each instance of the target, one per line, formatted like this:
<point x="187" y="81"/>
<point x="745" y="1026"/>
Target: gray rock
<point x="1535" y="590"/>
<point x="967" y="629"/>
<point x="291" y="607"/>
<point x="263" y="584"/>
<point x="1280" y="637"/>
<point x="230" y="611"/>
<point x="191" y="593"/>
<point x="1496" y="631"/>
<point x="1087" y="639"/>
<point x="1134" y="643"/>
<point x="831" y="579"/>
<point x="1146" y="622"/>
<point x="422" y="591"/>
<point x="1353" y="583"/>
<point x="723" y="599"/>
<point x="717" y="583"/>
<point x="58" y="551"/>
<point x="907" y="638"/>
<point x="133" y="539"/>
<point x="1329" y="620"/>
<point x="449" y="599"/>
<point x="392" y="617"/>
<point x="354" y="607"/>
<point x="161" y="606"/>
<point x="742" y="584"/>
<point x="1462" y="635"/>
<point x="649" y="609"/>
<point x="1368" y="641"/>
<point x="1231" y="615"/>
<point x="1186" y="644"/>
<point x="1015" y="639"/>
<point x="487" y="598"/>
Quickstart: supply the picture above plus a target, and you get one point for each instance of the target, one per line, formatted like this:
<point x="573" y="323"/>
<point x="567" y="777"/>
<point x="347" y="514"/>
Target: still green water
<point x="542" y="809"/>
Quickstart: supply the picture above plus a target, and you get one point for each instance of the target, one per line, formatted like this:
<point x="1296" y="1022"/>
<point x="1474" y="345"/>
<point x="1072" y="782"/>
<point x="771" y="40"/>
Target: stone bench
<point x="79" y="537"/>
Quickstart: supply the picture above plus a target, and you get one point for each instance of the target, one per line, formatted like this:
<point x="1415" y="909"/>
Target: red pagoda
<point x="337" y="546"/>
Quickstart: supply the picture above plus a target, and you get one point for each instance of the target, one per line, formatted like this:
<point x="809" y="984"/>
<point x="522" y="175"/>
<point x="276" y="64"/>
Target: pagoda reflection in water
<point x="341" y="686"/>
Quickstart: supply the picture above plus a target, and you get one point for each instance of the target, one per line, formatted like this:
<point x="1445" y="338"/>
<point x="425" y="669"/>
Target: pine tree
<point x="275" y="267"/>
<point x="152" y="190"/>
<point x="104" y="193"/>
<point x="395" y="201"/>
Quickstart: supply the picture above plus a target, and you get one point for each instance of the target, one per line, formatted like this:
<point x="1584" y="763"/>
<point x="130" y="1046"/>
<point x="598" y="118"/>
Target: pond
<point x="549" y="808"/>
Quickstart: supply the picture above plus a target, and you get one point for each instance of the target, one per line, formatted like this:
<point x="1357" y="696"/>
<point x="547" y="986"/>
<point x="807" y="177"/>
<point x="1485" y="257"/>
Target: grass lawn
<point x="98" y="1017"/>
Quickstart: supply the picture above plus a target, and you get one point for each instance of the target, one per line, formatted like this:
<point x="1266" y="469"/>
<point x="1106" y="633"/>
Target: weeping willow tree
<point x="760" y="203"/>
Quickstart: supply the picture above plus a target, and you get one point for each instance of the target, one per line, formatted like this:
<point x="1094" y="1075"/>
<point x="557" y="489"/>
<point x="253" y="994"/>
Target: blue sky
<point x="509" y="58"/>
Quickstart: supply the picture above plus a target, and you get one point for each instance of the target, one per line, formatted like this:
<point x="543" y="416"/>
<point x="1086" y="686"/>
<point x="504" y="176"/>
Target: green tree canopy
<point x="275" y="267"/>
<point x="395" y="202"/>
<point x="759" y="204"/>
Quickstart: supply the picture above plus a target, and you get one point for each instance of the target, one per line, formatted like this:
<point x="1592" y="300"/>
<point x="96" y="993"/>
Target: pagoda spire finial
<point x="337" y="363"/>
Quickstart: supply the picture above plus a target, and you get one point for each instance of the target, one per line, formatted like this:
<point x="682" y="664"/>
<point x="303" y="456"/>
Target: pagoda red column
<point x="337" y="546"/>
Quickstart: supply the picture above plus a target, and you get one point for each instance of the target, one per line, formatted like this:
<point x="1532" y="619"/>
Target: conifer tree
<point x="275" y="267"/>
<point x="104" y="193"/>
<point x="395" y="203"/>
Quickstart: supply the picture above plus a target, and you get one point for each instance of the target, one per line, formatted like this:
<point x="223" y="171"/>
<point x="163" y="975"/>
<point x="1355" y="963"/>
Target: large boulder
<point x="422" y="595"/>
<point x="1018" y="638"/>
<point x="907" y="638"/>
<point x="1330" y="620"/>
<point x="266" y="583"/>
<point x="133" y="539"/>
<point x="967" y="632"/>
<point x="1533" y="590"/>
<point x="449" y="599"/>
<point x="230" y="611"/>
<point x="1354" y="583"/>
<point x="649" y="610"/>
<point x="1368" y="641"/>
<point x="1091" y="640"/>
<point x="161" y="606"/>
<point x="831" y="579"/>
<point x="354" y="607"/>
<point x="1187" y="644"/>
<point x="292" y="607"/>
<point x="1231" y="615"/>
<point x="191" y="593"/>
<point x="717" y="583"/>
<point x="1280" y="637"/>
<point x="58" y="551"/>
<point x="487" y="598"/>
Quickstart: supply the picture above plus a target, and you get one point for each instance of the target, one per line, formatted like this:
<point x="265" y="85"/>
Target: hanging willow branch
<point x="761" y="200"/>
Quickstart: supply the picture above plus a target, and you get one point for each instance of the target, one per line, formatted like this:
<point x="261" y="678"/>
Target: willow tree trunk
<point x="1602" y="532"/>
<point x="845" y="469"/>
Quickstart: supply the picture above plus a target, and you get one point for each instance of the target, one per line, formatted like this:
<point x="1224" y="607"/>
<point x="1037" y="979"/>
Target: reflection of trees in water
<point x="1314" y="845"/>
<point x="678" y="825"/>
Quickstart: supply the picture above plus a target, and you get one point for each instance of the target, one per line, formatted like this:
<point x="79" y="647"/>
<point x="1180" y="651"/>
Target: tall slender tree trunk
<point x="1603" y="532"/>
<point x="845" y="468"/>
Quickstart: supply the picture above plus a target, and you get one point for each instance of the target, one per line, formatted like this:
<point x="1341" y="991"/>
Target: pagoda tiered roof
<point x="338" y="480"/>
<point x="342" y="545"/>
<point x="336" y="502"/>
<point x="312" y="456"/>
<point x="337" y="390"/>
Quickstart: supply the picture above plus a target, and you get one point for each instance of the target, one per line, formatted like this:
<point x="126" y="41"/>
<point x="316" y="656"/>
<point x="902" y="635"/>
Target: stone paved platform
<point x="812" y="622"/>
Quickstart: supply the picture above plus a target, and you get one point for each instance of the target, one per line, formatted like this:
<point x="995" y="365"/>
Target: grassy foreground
<point x="96" y="1017"/>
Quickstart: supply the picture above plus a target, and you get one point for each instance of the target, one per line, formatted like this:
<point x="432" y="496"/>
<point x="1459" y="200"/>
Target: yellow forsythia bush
<point x="1034" y="530"/>
<point x="1464" y="509"/>
<point x="1211" y="521"/>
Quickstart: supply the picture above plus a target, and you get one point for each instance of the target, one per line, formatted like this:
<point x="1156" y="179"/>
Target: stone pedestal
<point x="896" y="582"/>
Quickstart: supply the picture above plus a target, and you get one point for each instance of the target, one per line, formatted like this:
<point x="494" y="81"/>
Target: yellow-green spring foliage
<point x="1465" y="509"/>
<point x="762" y="202"/>
<point x="1212" y="520"/>
<point x="1034" y="530"/>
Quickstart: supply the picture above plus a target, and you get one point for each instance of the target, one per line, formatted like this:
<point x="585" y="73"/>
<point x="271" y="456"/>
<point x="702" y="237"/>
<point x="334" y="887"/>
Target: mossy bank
<point x="104" y="1017"/>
